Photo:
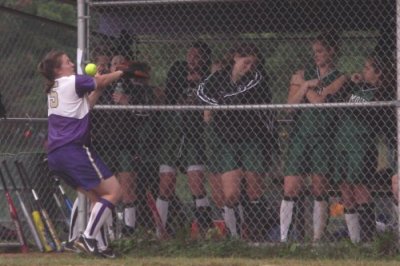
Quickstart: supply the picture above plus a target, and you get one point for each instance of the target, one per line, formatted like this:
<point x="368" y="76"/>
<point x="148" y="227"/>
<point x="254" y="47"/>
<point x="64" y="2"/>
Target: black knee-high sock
<point x="255" y="214"/>
<point x="366" y="213"/>
<point x="202" y="212"/>
<point x="299" y="218"/>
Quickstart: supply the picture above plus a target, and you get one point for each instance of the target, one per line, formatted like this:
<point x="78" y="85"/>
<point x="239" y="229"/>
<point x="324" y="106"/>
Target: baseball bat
<point x="44" y="237"/>
<point x="156" y="216"/>
<point x="49" y="224"/>
<point x="62" y="210"/>
<point x="14" y="216"/>
<point x="67" y="202"/>
<point x="24" y="209"/>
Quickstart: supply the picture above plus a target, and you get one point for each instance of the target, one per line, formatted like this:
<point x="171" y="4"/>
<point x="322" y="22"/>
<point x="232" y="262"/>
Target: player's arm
<point x="102" y="81"/>
<point x="331" y="89"/>
<point x="297" y="88"/>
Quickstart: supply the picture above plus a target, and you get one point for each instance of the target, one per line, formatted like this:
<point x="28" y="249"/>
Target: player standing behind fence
<point x="70" y="99"/>
<point x="236" y="138"/>
<point x="121" y="129"/>
<point x="184" y="143"/>
<point x="310" y="143"/>
<point x="356" y="151"/>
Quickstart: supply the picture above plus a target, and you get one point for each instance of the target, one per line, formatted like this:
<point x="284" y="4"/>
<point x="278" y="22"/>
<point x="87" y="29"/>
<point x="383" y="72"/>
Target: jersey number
<point x="53" y="99"/>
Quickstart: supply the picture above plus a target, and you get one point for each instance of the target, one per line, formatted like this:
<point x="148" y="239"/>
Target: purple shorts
<point x="79" y="166"/>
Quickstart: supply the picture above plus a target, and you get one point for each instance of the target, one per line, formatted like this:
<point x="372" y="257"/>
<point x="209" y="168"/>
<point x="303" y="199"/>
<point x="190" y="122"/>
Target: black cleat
<point x="87" y="245"/>
<point x="108" y="253"/>
<point x="127" y="231"/>
<point x="69" y="246"/>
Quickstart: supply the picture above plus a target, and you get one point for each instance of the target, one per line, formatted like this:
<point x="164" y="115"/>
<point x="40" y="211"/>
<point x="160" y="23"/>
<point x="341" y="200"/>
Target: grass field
<point x="64" y="259"/>
<point x="181" y="252"/>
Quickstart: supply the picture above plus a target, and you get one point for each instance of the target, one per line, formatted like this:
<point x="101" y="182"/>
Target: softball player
<point x="236" y="139"/>
<point x="311" y="140"/>
<point x="183" y="145"/>
<point x="70" y="98"/>
<point x="356" y="151"/>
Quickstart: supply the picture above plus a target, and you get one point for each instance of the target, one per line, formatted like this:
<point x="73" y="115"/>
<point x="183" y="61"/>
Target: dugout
<point x="158" y="32"/>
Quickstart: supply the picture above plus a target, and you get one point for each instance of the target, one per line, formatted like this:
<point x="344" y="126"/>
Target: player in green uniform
<point x="237" y="139"/>
<point x="310" y="141"/>
<point x="356" y="151"/>
<point x="183" y="143"/>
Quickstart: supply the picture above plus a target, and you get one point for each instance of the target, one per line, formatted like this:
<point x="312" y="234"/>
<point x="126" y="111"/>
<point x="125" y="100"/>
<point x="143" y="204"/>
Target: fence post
<point x="81" y="21"/>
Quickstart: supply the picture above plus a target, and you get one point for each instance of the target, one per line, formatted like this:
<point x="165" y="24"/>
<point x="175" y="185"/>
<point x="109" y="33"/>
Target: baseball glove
<point x="134" y="70"/>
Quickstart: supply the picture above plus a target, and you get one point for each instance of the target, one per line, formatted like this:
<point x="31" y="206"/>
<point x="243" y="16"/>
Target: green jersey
<point x="316" y="121"/>
<point x="356" y="122"/>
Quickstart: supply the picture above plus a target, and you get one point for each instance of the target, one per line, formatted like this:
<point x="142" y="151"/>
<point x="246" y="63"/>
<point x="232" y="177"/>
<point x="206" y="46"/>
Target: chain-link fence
<point x="208" y="135"/>
<point x="24" y="40"/>
<point x="264" y="171"/>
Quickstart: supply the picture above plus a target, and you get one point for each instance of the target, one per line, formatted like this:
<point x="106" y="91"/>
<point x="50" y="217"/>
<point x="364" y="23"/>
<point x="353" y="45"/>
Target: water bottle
<point x="119" y="88"/>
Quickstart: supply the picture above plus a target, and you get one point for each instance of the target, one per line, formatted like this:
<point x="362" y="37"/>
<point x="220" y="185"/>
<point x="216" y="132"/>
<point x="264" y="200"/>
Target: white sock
<point x="231" y="221"/>
<point x="73" y="225"/>
<point x="130" y="216"/>
<point x="353" y="225"/>
<point x="202" y="202"/>
<point x="286" y="215"/>
<point x="109" y="227"/>
<point x="162" y="208"/>
<point x="320" y="218"/>
<point x="101" y="237"/>
<point x="99" y="214"/>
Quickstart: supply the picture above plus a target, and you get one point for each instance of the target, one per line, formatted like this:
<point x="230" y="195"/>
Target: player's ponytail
<point x="47" y="67"/>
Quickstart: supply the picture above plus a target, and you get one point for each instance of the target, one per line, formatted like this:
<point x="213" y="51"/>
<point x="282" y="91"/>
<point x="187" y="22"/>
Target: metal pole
<point x="82" y="202"/>
<point x="398" y="107"/>
<point x="163" y="2"/>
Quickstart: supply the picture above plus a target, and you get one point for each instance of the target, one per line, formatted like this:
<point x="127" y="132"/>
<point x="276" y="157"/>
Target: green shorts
<point x="308" y="155"/>
<point x="355" y="159"/>
<point x="179" y="148"/>
<point x="223" y="157"/>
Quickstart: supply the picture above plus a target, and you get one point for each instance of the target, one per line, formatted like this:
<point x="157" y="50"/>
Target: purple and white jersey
<point x="69" y="111"/>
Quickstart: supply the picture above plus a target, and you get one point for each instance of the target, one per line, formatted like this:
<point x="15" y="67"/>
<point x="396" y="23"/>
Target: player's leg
<point x="73" y="230"/>
<point x="321" y="206"/>
<point x="254" y="209"/>
<point x="196" y="181"/>
<point x="129" y="199"/>
<point x="294" y="166"/>
<point x="350" y="212"/>
<point x="253" y="160"/>
<point x="231" y="183"/>
<point x="290" y="204"/>
<point x="87" y="173"/>
<point x="363" y="163"/>
<point x="108" y="193"/>
<point x="103" y="248"/>
<point x="217" y="195"/>
<point x="167" y="186"/>
<point x="321" y="156"/>
<point x="366" y="212"/>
